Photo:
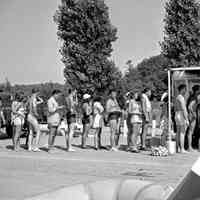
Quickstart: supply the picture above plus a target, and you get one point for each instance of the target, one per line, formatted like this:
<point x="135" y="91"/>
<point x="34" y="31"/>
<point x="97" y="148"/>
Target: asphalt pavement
<point x="25" y="174"/>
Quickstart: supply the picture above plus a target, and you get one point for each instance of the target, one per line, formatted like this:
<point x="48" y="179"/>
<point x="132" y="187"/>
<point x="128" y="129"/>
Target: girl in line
<point x="97" y="121"/>
<point x="18" y="115"/>
<point x="86" y="120"/>
<point x="135" y="113"/>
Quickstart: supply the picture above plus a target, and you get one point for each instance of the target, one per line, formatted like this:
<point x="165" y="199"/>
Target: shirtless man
<point x="181" y="118"/>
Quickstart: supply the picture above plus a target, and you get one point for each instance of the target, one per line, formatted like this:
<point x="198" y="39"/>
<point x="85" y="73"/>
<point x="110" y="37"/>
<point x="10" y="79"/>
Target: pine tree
<point x="182" y="33"/>
<point x="87" y="34"/>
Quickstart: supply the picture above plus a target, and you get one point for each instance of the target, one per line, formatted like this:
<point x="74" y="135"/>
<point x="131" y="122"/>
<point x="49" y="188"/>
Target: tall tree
<point x="182" y="33"/>
<point x="86" y="31"/>
<point x="150" y="73"/>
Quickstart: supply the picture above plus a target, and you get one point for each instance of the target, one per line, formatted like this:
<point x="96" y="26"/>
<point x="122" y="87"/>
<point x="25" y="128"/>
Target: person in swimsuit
<point x="98" y="110"/>
<point x="147" y="116"/>
<point x="86" y="119"/>
<point x="54" y="117"/>
<point x="17" y="115"/>
<point x="135" y="113"/>
<point x="72" y="103"/>
<point x="181" y="118"/>
<point x="113" y="113"/>
<point x="2" y="117"/>
<point x="192" y="115"/>
<point x="32" y="119"/>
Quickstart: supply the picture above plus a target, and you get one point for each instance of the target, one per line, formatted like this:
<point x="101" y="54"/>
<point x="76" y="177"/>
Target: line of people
<point x="138" y="111"/>
<point x="62" y="118"/>
<point x="187" y="119"/>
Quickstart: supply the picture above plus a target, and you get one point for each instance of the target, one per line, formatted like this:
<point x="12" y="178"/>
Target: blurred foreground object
<point x="110" y="190"/>
<point x="188" y="189"/>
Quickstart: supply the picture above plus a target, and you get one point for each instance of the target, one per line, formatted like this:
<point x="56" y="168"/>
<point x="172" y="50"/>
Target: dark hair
<point x="56" y="92"/>
<point x="195" y="88"/>
<point x="34" y="90"/>
<point x="131" y="95"/>
<point x="17" y="97"/>
<point x="97" y="98"/>
<point x="113" y="90"/>
<point x="165" y="99"/>
<point x="154" y="97"/>
<point x="70" y="91"/>
<point x="181" y="87"/>
<point x="146" y="90"/>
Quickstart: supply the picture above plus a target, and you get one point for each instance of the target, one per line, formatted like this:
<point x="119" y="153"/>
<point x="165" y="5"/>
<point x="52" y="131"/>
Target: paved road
<point x="25" y="174"/>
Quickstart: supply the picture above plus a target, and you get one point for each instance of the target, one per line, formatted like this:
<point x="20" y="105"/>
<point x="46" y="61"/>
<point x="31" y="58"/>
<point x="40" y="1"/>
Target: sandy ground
<point x="25" y="173"/>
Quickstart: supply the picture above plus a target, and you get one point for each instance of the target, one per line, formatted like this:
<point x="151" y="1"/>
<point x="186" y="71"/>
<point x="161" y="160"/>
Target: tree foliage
<point x="87" y="34"/>
<point x="150" y="73"/>
<point x="181" y="43"/>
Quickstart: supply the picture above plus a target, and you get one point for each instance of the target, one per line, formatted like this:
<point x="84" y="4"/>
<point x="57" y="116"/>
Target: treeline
<point x="44" y="88"/>
<point x="150" y="73"/>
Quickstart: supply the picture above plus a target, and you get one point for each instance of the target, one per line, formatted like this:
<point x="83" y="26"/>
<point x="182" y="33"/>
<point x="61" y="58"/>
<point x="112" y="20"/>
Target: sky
<point x="29" y="48"/>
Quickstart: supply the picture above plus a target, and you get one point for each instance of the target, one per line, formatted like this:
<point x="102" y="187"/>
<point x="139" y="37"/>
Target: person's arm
<point x="162" y="111"/>
<point x="144" y="110"/>
<point x="39" y="101"/>
<point x="108" y="107"/>
<point x="87" y="109"/>
<point x="51" y="107"/>
<point x="101" y="108"/>
<point x="69" y="103"/>
<point x="3" y="118"/>
<point x="183" y="105"/>
<point x="130" y="107"/>
<point x="34" y="106"/>
<point x="190" y="107"/>
<point x="14" y="108"/>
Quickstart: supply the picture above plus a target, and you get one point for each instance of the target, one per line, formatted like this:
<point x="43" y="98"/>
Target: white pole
<point x="169" y="105"/>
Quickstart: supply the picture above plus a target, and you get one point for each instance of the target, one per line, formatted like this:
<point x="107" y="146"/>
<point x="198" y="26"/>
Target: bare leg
<point x="182" y="140"/>
<point x="18" y="138"/>
<point x="86" y="129"/>
<point x="16" y="134"/>
<point x="178" y="139"/>
<point x="128" y="134"/>
<point x="70" y="135"/>
<point x="112" y="132"/>
<point x="99" y="137"/>
<point x="30" y="138"/>
<point x="51" y="140"/>
<point x="164" y="138"/>
<point x="117" y="135"/>
<point x="13" y="136"/>
<point x="67" y="139"/>
<point x="135" y="133"/>
<point x="37" y="140"/>
<point x="190" y="133"/>
<point x="96" y="138"/>
<point x="143" y="135"/>
<point x="26" y="144"/>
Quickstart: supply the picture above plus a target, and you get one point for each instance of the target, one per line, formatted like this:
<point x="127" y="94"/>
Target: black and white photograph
<point x="100" y="100"/>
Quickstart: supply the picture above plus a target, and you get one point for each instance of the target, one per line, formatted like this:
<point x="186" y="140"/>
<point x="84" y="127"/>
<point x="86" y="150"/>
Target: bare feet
<point x="184" y="151"/>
